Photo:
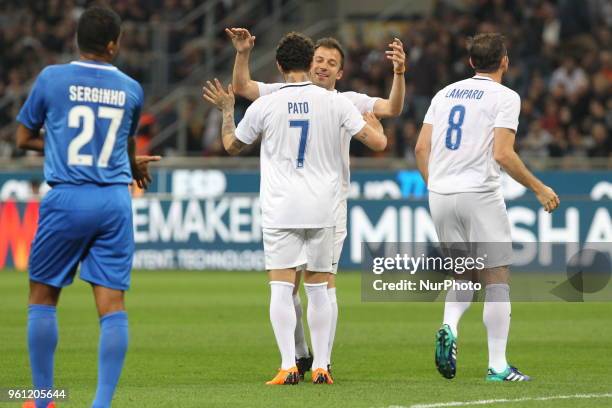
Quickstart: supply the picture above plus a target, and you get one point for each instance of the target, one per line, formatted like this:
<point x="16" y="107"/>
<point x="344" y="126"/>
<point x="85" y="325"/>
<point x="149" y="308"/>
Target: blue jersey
<point x="88" y="110"/>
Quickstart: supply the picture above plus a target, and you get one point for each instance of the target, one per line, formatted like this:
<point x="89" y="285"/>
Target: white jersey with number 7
<point x="302" y="126"/>
<point x="464" y="115"/>
<point x="364" y="103"/>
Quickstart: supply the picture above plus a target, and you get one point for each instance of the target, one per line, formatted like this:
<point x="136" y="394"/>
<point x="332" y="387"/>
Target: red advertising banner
<point x="17" y="229"/>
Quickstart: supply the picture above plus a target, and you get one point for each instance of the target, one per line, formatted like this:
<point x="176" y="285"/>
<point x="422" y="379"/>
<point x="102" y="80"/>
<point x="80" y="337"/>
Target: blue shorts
<point x="90" y="225"/>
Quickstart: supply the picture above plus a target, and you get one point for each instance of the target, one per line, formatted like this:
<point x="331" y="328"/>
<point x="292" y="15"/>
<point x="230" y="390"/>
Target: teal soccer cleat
<point x="446" y="352"/>
<point x="509" y="374"/>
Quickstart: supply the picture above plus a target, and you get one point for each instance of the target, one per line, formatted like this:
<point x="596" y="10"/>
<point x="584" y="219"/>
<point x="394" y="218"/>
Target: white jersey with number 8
<point x="464" y="115"/>
<point x="302" y="126"/>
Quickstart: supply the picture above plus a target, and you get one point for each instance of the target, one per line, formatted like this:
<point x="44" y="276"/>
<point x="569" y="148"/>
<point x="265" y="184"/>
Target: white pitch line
<point x="503" y="401"/>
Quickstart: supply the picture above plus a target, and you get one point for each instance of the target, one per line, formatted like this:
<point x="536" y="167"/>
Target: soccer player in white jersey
<point x="327" y="68"/>
<point x="467" y="134"/>
<point x="301" y="127"/>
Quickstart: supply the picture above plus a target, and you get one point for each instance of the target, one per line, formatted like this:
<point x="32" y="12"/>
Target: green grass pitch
<point x="204" y="340"/>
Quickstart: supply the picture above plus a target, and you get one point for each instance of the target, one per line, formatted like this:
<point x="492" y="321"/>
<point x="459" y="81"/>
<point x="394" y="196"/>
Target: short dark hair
<point x="486" y="51"/>
<point x="295" y="52"/>
<point x="96" y="28"/>
<point x="332" y="43"/>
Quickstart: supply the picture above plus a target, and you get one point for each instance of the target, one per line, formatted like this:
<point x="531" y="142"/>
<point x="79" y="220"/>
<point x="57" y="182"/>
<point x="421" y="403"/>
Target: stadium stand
<point x="561" y="65"/>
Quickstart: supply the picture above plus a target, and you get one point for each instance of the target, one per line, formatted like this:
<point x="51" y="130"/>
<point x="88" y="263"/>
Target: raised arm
<point x="215" y="94"/>
<point x="422" y="150"/>
<point x="242" y="83"/>
<point x="386" y="108"/>
<point x="504" y="154"/>
<point x="372" y="134"/>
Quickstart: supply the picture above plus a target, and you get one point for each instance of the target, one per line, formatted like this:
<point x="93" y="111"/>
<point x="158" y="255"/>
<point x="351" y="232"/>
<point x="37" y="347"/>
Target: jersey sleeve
<point x="267" y="89"/>
<point x="350" y="118"/>
<point x="364" y="103"/>
<point x="509" y="111"/>
<point x="34" y="110"/>
<point x="251" y="125"/>
<point x="137" y="110"/>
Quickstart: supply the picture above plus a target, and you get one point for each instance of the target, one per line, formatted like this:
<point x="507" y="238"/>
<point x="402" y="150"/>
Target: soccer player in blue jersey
<point x="89" y="110"/>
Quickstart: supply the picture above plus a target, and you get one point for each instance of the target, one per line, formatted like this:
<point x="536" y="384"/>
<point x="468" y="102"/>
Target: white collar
<point x="295" y="84"/>
<point x="482" y="77"/>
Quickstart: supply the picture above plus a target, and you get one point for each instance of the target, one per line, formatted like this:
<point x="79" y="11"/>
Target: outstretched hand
<point x="397" y="56"/>
<point x="215" y="94"/>
<point x="241" y="39"/>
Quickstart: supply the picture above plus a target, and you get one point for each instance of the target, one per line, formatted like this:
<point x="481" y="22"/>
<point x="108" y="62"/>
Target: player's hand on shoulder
<point x="215" y="94"/>
<point x="140" y="172"/>
<point x="373" y="121"/>
<point x="548" y="198"/>
<point x="241" y="39"/>
<point x="397" y="55"/>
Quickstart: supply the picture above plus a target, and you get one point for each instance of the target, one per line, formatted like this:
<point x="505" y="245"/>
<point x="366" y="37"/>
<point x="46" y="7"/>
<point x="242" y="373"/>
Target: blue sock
<point x="113" y="347"/>
<point x="42" y="341"/>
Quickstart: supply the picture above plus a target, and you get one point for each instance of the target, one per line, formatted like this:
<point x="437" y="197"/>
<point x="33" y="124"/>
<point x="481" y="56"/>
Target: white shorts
<point x="477" y="218"/>
<point x="339" y="237"/>
<point x="290" y="248"/>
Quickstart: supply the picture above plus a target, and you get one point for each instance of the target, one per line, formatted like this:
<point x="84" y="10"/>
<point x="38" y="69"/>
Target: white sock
<point x="301" y="348"/>
<point x="457" y="302"/>
<point x="319" y="322"/>
<point x="496" y="317"/>
<point x="282" y="316"/>
<point x="331" y="292"/>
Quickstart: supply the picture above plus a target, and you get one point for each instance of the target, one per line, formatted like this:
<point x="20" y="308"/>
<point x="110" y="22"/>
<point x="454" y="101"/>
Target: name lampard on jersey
<point x="80" y="93"/>
<point x="464" y="94"/>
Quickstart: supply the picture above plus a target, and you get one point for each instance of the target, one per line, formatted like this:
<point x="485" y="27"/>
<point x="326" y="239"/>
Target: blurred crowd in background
<point x="560" y="63"/>
<point x="37" y="33"/>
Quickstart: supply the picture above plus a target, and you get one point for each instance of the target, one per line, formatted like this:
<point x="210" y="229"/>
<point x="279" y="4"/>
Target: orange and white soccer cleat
<point x="321" y="376"/>
<point x="286" y="377"/>
<point x="31" y="404"/>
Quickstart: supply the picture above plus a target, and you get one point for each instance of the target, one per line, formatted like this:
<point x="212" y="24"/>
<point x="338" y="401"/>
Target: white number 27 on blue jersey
<point x="84" y="116"/>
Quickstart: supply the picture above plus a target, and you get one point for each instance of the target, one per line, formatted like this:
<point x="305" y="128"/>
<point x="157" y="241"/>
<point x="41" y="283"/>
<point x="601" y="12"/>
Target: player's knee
<point x="105" y="308"/>
<point x="282" y="275"/>
<point x="108" y="300"/>
<point x="331" y="281"/>
<point x="41" y="294"/>
<point x="316" y="277"/>
<point x="499" y="274"/>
